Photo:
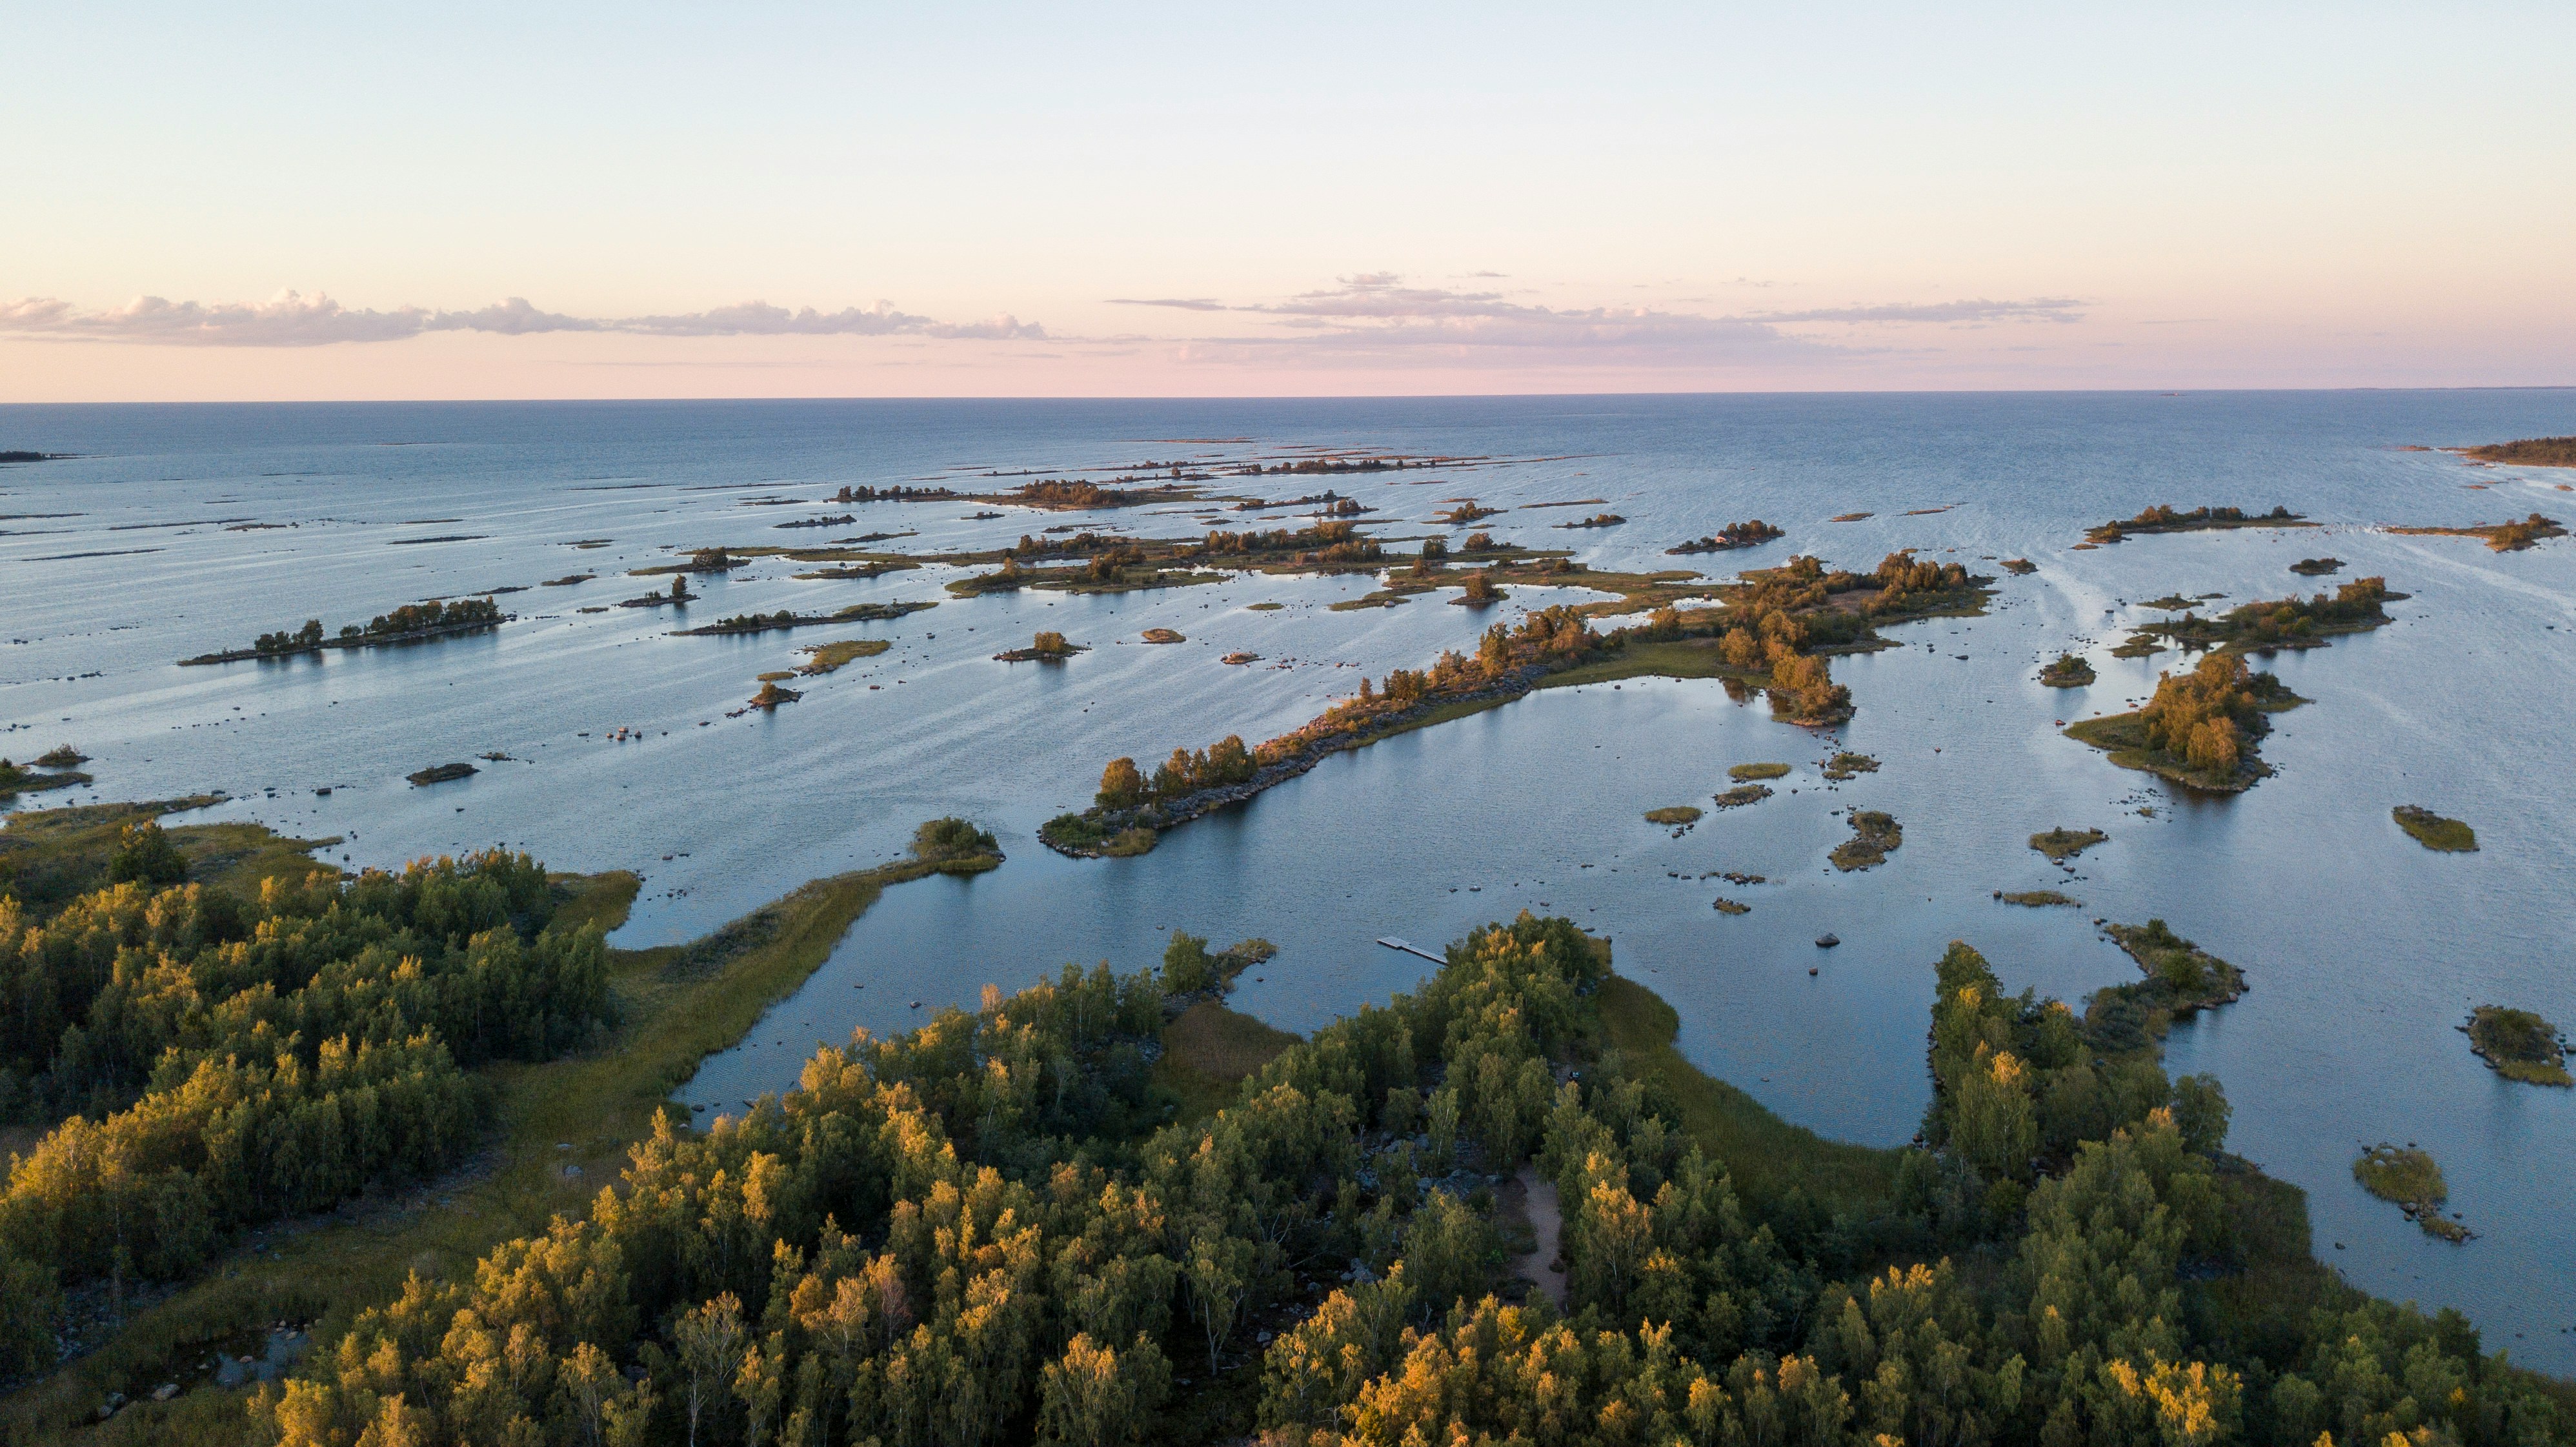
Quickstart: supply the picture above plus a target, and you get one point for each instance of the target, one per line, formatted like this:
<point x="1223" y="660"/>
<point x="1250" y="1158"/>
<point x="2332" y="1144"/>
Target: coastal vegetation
<point x="1745" y="772"/>
<point x="2018" y="567"/>
<point x="2433" y="831"/>
<point x="16" y="779"/>
<point x="1467" y="511"/>
<point x="2316" y="567"/>
<point x="702" y="560"/>
<point x="2528" y="452"/>
<point x="2063" y="844"/>
<point x="2162" y="518"/>
<point x="410" y="623"/>
<point x="2408" y="1176"/>
<point x="1751" y="533"/>
<point x="771" y="696"/>
<point x="2071" y="670"/>
<point x="1776" y="629"/>
<point x="2519" y="1045"/>
<point x="821" y="658"/>
<point x="1597" y="520"/>
<point x="1479" y="591"/>
<point x="1743" y="794"/>
<point x="2504" y="537"/>
<point x="1674" y="815"/>
<point x="789" y="618"/>
<point x="2292" y="622"/>
<point x="998" y="1228"/>
<point x="1044" y="648"/>
<point x="2181" y="976"/>
<point x="1874" y="837"/>
<point x="1849" y="765"/>
<point x="2201" y="729"/>
<point x="2037" y="898"/>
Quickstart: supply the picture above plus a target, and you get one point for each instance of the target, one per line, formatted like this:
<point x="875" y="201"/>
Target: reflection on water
<point x="2362" y="949"/>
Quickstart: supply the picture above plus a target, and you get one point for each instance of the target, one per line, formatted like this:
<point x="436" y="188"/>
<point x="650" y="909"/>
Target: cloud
<point x="292" y="319"/>
<point x="1954" y="313"/>
<point x="1184" y="303"/>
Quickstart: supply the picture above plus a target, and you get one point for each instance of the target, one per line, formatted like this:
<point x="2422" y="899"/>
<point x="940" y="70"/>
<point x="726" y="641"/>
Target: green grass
<point x="1681" y="658"/>
<point x="2402" y="1174"/>
<point x="1767" y="1156"/>
<point x="2433" y="831"/>
<point x="678" y="1004"/>
<point x="824" y="657"/>
<point x="2520" y="1045"/>
<point x="2062" y="844"/>
<point x="1208" y="1052"/>
<point x="1743" y="773"/>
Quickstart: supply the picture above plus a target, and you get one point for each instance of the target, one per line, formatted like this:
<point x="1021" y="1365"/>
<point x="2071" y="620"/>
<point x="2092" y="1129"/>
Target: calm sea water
<point x="2364" y="950"/>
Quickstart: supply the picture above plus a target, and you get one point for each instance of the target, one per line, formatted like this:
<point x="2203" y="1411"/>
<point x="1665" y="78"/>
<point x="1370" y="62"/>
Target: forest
<point x="991" y="1230"/>
<point x="210" y="1060"/>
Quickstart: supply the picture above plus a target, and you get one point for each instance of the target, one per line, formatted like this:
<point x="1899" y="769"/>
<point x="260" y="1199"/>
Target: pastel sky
<point x="541" y="200"/>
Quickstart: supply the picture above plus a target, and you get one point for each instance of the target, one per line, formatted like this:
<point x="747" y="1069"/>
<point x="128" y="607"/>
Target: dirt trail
<point x="1533" y="1196"/>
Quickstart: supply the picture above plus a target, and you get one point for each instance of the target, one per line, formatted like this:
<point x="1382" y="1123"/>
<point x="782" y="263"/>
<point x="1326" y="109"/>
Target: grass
<point x="2520" y="1045"/>
<point x="1744" y="772"/>
<point x="1128" y="843"/>
<point x="1675" y="814"/>
<point x="1848" y="765"/>
<point x="2041" y="898"/>
<point x="1730" y="906"/>
<point x="1207" y="1054"/>
<point x="824" y="657"/>
<point x="2062" y="844"/>
<point x="1263" y="607"/>
<point x="1767" y="1156"/>
<point x="678" y="1004"/>
<point x="1679" y="658"/>
<point x="2433" y="831"/>
<point x="1874" y="837"/>
<point x="2410" y="1178"/>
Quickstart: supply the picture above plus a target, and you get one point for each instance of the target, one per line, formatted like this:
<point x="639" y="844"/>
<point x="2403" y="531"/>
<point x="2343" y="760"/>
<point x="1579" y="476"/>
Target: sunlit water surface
<point x="2364" y="951"/>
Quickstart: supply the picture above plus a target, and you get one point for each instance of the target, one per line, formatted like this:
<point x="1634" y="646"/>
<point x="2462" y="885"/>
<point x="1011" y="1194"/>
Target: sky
<point x="258" y="202"/>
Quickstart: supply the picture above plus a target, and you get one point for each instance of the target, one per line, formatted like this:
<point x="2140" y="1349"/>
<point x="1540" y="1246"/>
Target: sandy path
<point x="1534" y="1196"/>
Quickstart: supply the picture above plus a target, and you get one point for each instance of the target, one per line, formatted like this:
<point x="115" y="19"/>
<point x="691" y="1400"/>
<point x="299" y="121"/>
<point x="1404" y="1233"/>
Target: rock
<point x="1828" y="941"/>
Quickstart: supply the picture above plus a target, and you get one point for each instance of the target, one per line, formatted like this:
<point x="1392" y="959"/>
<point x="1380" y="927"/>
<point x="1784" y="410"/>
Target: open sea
<point x="179" y="530"/>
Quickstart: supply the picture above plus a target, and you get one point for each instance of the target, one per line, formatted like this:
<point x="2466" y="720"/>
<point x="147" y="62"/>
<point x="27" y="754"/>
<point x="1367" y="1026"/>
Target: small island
<point x="2186" y="977"/>
<point x="2519" y="1045"/>
<point x="410" y="623"/>
<point x="821" y="658"/>
<point x="2037" y="898"/>
<point x="2409" y="1177"/>
<point x="701" y="560"/>
<point x="1742" y="773"/>
<point x="1751" y="533"/>
<point x="770" y="697"/>
<point x="1162" y="635"/>
<point x="2062" y="844"/>
<point x="2431" y="830"/>
<point x="788" y="618"/>
<point x="2165" y="519"/>
<point x="2200" y="730"/>
<point x="440" y="774"/>
<point x="1848" y="766"/>
<point x="2069" y="671"/>
<point x="1045" y="648"/>
<point x="1467" y="511"/>
<point x="61" y="773"/>
<point x="2019" y="567"/>
<point x="2511" y="537"/>
<point x="1743" y="794"/>
<point x="2528" y="452"/>
<point x="2316" y="567"/>
<point x="1874" y="837"/>
<point x="1241" y="658"/>
<point x="1675" y="815"/>
<point x="1597" y="520"/>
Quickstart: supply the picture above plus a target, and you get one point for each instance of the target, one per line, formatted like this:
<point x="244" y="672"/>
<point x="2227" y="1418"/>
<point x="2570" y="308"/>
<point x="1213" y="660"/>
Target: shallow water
<point x="2363" y="950"/>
